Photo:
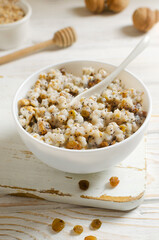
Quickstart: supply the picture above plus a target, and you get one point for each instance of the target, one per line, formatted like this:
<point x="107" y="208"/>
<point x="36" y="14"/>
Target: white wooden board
<point x="22" y="173"/>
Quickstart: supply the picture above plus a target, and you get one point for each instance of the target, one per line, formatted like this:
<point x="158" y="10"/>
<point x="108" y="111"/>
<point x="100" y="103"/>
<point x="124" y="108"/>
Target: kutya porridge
<point x="10" y="12"/>
<point x="94" y="122"/>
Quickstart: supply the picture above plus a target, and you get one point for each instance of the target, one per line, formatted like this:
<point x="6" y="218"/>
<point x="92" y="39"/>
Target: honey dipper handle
<point x="26" y="51"/>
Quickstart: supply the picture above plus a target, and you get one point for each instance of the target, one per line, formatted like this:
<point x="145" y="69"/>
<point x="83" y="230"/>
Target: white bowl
<point x="13" y="34"/>
<point x="83" y="161"/>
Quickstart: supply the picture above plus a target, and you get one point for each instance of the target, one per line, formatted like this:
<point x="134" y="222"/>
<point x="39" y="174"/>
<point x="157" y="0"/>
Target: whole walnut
<point x="144" y="18"/>
<point x="98" y="6"/>
<point x="117" y="5"/>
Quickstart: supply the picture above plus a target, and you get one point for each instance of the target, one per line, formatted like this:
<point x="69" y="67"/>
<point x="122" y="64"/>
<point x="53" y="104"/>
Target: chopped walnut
<point x="93" y="82"/>
<point x="73" y="145"/>
<point x="23" y="102"/>
<point x="43" y="127"/>
<point x="104" y="144"/>
<point x="114" y="181"/>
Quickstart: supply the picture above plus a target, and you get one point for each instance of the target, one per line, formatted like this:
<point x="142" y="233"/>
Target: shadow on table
<point x="130" y="31"/>
<point x="84" y="12"/>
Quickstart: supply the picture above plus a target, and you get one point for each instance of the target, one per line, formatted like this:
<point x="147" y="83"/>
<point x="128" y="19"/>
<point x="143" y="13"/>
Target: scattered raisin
<point x="90" y="238"/>
<point x="78" y="229"/>
<point x="96" y="224"/>
<point x="83" y="184"/>
<point x="114" y="181"/>
<point x="58" y="224"/>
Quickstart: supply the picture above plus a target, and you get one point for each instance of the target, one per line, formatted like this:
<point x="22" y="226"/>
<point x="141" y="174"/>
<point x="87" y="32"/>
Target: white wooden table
<point x="105" y="37"/>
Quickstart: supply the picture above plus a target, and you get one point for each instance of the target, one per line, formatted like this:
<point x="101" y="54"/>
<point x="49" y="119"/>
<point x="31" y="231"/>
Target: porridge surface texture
<point x="94" y="122"/>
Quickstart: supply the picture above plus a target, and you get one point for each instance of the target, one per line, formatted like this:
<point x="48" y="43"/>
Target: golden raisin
<point x="83" y="185"/>
<point x="114" y="181"/>
<point x="72" y="113"/>
<point x="78" y="229"/>
<point x="85" y="113"/>
<point x="42" y="127"/>
<point x="123" y="128"/>
<point x="58" y="224"/>
<point x="96" y="224"/>
<point x="90" y="238"/>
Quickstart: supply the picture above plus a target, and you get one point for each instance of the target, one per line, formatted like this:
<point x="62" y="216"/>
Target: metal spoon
<point x="98" y="88"/>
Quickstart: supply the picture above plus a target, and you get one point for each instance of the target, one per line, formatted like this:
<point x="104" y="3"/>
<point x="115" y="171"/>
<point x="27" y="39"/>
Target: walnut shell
<point x="144" y="18"/>
<point x="95" y="6"/>
<point x="117" y="5"/>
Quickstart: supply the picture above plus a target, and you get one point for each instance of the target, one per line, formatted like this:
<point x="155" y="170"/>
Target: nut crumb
<point x="114" y="181"/>
<point x="58" y="225"/>
<point x="83" y="185"/>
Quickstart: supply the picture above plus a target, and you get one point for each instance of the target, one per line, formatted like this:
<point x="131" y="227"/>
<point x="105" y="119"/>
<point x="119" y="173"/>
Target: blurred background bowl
<point x="13" y="34"/>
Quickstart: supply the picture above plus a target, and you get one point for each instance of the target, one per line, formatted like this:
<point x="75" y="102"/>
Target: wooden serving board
<point x="22" y="174"/>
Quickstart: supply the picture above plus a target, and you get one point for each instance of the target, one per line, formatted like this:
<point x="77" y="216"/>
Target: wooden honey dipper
<point x="98" y="6"/>
<point x="144" y="18"/>
<point x="62" y="38"/>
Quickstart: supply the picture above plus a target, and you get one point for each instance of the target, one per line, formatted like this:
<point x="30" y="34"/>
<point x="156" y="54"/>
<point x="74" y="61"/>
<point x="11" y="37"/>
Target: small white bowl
<point x="12" y="35"/>
<point x="83" y="161"/>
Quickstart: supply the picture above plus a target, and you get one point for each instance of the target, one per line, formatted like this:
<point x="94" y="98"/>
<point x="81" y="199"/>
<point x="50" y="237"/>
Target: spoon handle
<point x="103" y="84"/>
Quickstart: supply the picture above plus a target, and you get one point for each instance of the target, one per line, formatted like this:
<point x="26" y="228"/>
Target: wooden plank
<point x="44" y="182"/>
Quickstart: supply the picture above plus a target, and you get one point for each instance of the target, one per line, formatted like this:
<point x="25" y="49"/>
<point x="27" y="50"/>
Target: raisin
<point x="114" y="181"/>
<point x="63" y="71"/>
<point x="96" y="224"/>
<point x="83" y="185"/>
<point x="58" y="224"/>
<point x="78" y="229"/>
